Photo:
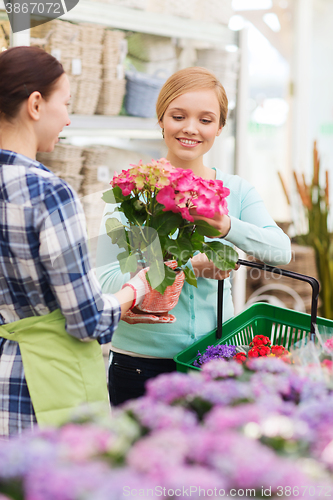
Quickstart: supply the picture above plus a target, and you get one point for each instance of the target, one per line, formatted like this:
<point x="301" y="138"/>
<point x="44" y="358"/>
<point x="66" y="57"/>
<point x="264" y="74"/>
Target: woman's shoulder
<point x="233" y="181"/>
<point x="34" y="184"/>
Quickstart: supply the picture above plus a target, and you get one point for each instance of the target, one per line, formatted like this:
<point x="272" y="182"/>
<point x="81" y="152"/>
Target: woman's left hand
<point x="204" y="268"/>
<point x="220" y="222"/>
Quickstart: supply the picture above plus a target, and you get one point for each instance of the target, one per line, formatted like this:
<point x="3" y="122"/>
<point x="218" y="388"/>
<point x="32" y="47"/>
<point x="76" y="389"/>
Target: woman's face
<point x="54" y="115"/>
<point x="191" y="123"/>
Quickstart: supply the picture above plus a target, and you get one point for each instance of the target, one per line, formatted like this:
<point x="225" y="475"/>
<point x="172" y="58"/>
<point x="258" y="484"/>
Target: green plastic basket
<point x="283" y="326"/>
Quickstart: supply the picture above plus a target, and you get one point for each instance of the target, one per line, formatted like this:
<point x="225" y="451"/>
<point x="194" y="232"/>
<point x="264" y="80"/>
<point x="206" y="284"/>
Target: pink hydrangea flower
<point x="177" y="189"/>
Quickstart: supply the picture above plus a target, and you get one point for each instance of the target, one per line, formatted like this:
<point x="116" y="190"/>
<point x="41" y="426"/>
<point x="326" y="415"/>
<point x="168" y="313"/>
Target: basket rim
<point x="185" y="358"/>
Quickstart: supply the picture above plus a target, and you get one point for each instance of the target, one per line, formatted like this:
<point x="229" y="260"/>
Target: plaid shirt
<point x="44" y="265"/>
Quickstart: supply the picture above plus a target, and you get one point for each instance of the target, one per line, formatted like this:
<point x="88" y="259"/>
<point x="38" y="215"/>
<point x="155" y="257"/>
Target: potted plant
<point x="156" y="200"/>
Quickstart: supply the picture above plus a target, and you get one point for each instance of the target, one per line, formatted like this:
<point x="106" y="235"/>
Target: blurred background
<point x="275" y="60"/>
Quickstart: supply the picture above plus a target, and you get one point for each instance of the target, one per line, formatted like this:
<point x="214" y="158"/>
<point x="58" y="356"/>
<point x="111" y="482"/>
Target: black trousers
<point x="128" y="375"/>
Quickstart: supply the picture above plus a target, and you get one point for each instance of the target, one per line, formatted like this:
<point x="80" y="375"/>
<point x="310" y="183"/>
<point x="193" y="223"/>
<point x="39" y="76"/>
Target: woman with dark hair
<point x="52" y="310"/>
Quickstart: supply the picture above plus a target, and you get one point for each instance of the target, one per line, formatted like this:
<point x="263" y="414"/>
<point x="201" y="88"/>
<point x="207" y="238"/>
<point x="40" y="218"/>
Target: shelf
<point x="128" y="127"/>
<point x="149" y="22"/>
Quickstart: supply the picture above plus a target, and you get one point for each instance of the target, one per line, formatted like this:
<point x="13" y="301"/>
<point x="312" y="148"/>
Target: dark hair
<point x="24" y="70"/>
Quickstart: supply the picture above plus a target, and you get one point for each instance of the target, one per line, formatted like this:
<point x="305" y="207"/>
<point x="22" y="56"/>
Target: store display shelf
<point x="148" y="22"/>
<point x="112" y="126"/>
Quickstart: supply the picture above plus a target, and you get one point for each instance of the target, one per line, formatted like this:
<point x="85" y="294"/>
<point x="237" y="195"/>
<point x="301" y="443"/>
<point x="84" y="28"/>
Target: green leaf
<point x="114" y="195"/>
<point x="127" y="262"/>
<point x="166" y="222"/>
<point x="116" y="231"/>
<point x="190" y="277"/>
<point x="197" y="240"/>
<point x="109" y="197"/>
<point x="156" y="274"/>
<point x="166" y="277"/>
<point x="132" y="213"/>
<point x="206" y="229"/>
<point x="180" y="248"/>
<point x="223" y="256"/>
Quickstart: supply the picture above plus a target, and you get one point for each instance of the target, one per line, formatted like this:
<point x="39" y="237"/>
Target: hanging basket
<point x="141" y="93"/>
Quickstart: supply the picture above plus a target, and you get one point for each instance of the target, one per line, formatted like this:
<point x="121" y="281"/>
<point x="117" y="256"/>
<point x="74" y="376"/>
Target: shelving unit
<point x="113" y="126"/>
<point x="148" y="22"/>
<point x="123" y="18"/>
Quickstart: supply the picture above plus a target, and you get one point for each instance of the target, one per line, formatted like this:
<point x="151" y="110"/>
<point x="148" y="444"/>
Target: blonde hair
<point x="189" y="80"/>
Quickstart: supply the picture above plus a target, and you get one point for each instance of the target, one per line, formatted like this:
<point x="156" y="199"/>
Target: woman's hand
<point x="204" y="268"/>
<point x="220" y="222"/>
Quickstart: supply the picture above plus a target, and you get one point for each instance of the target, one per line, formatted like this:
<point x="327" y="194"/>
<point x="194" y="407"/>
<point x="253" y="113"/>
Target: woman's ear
<point x="219" y="131"/>
<point x="34" y="105"/>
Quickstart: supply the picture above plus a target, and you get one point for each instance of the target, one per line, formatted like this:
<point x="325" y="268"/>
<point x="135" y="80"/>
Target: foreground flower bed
<point x="262" y="429"/>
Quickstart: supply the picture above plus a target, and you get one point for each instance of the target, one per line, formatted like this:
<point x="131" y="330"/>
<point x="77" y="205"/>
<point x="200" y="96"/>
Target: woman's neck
<point x="18" y="139"/>
<point x="197" y="166"/>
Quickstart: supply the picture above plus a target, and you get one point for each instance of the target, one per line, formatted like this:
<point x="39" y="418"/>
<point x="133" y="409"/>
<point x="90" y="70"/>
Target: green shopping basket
<point x="283" y="326"/>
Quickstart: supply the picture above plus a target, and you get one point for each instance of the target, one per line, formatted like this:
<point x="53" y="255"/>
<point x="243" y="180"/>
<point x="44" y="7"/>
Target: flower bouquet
<point x="156" y="199"/>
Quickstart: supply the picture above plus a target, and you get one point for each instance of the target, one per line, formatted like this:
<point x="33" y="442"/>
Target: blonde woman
<point x="192" y="110"/>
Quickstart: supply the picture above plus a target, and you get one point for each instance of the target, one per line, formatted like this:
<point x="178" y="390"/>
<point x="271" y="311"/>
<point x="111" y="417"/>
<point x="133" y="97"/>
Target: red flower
<point x="261" y="350"/>
<point x="279" y="350"/>
<point x="259" y="340"/>
<point x="240" y="357"/>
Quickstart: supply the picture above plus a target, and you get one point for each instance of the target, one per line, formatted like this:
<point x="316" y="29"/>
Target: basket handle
<point x="282" y="272"/>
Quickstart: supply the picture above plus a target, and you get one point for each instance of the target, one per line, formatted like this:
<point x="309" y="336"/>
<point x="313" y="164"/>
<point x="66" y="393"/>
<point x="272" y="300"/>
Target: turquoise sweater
<point x="252" y="230"/>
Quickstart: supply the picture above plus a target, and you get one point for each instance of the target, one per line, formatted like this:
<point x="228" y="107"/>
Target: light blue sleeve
<point x="107" y="266"/>
<point x="252" y="228"/>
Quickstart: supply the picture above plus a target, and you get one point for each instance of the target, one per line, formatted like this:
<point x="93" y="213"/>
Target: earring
<point x="163" y="133"/>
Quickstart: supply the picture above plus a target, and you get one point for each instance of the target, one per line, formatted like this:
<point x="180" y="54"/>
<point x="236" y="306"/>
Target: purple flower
<point x="159" y="451"/>
<point x="191" y="480"/>
<point x="219" y="351"/>
<point x="154" y="415"/>
<point x="217" y="369"/>
<point x="222" y="419"/>
<point x="317" y="413"/>
<point x="268" y="364"/>
<point x="171" y="387"/>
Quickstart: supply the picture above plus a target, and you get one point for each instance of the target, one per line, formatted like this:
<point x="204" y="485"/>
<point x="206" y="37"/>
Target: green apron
<point x="61" y="371"/>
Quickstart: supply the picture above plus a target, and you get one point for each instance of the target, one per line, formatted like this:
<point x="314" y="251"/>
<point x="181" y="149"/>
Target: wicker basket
<point x="91" y="34"/>
<point x="91" y="54"/>
<point x="91" y="71"/>
<point x="61" y="152"/>
<point x="151" y="67"/>
<point x="141" y="94"/>
<point x="151" y="47"/>
<point x="111" y="97"/>
<point x="4" y="35"/>
<point x="74" y="181"/>
<point x="111" y="47"/>
<point x="218" y="60"/>
<point x="86" y="99"/>
<point x="65" y="168"/>
<point x="94" y="156"/>
<point x="63" y="31"/>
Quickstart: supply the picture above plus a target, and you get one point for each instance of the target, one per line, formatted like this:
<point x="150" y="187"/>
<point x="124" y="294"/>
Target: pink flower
<point x="166" y="196"/>
<point x="329" y="344"/>
<point x="205" y="207"/>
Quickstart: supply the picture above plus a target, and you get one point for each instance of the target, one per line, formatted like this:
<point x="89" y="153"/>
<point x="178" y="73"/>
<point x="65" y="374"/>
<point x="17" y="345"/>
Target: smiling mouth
<point x="188" y="142"/>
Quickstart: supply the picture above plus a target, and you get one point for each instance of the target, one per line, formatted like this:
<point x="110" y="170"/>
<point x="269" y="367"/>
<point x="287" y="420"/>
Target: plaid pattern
<point x="44" y="265"/>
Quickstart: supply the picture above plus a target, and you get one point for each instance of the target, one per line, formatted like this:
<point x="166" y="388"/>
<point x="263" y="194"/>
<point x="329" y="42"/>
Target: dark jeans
<point x="128" y="375"/>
